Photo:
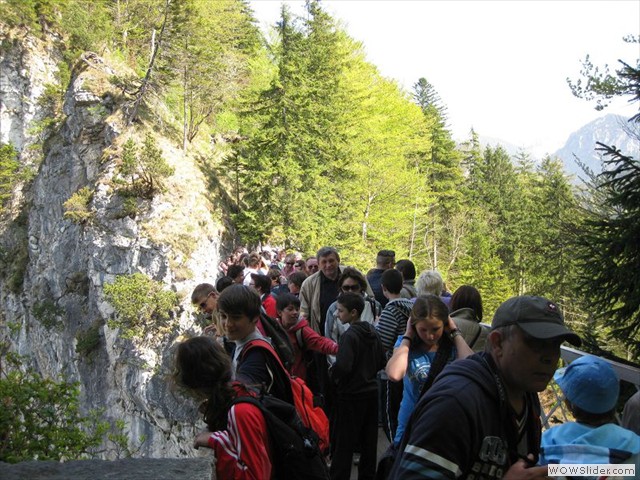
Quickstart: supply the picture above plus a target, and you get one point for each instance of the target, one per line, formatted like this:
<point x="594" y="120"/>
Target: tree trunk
<point x="147" y="78"/>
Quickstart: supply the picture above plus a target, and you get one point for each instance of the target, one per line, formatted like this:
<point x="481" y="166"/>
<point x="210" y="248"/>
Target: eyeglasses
<point x="312" y="267"/>
<point x="290" y="263"/>
<point x="203" y="303"/>
<point x="351" y="288"/>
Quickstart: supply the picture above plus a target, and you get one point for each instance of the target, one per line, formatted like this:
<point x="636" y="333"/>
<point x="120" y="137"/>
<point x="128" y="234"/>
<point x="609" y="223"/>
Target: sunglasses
<point x="203" y="303"/>
<point x="351" y="288"/>
<point x="290" y="263"/>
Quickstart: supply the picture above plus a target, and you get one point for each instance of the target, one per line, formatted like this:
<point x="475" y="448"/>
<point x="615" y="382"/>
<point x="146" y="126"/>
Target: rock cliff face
<point x="69" y="263"/>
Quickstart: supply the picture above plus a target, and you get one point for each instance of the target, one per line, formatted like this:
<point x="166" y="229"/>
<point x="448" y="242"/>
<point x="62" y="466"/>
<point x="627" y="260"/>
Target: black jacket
<point x="360" y="357"/>
<point x="463" y="426"/>
<point x="259" y="368"/>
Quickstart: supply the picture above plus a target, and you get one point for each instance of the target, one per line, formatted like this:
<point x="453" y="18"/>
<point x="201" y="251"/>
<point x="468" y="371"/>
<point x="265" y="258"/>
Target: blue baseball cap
<point x="590" y="383"/>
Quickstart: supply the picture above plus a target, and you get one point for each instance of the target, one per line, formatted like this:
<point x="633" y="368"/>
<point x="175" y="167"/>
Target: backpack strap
<point x="247" y="399"/>
<point x="404" y="308"/>
<point x="372" y="304"/>
<point x="261" y="343"/>
<point x="300" y="339"/>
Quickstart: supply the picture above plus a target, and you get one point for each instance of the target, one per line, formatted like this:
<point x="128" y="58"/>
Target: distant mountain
<point x="511" y="148"/>
<point x="611" y="130"/>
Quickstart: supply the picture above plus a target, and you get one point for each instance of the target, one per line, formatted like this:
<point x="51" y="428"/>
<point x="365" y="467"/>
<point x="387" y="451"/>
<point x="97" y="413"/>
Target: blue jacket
<point x="575" y="442"/>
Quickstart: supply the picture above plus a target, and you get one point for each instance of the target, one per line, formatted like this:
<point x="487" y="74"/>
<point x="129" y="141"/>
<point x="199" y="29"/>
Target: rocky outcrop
<point x="27" y="65"/>
<point x="69" y="263"/>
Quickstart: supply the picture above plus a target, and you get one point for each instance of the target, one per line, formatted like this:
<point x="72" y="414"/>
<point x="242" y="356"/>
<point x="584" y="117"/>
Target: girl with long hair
<point x="430" y="341"/>
<point x="236" y="433"/>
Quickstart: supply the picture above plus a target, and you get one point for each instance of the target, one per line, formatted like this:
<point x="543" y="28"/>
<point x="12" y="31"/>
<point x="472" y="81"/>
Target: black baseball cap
<point x="538" y="317"/>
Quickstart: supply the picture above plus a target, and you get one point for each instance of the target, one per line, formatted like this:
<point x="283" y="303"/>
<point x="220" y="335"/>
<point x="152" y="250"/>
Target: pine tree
<point x="443" y="176"/>
<point x="609" y="251"/>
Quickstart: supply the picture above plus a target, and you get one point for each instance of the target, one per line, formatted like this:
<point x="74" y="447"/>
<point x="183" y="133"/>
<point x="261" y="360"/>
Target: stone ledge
<point x="129" y="469"/>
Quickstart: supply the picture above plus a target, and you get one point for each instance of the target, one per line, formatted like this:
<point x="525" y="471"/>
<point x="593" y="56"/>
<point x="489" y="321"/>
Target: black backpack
<point x="279" y="340"/>
<point x="295" y="454"/>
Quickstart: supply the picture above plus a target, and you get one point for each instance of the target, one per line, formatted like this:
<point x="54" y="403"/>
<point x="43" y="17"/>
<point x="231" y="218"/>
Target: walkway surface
<point x="383" y="443"/>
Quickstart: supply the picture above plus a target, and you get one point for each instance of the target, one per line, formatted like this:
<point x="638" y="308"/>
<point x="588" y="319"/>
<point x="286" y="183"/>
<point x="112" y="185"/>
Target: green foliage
<point x="437" y="222"/>
<point x="48" y="313"/>
<point x="14" y="262"/>
<point x="605" y="240"/>
<point x="129" y="207"/>
<point x="9" y="172"/>
<point x="609" y="252"/>
<point x="208" y="47"/>
<point x="77" y="207"/>
<point x="41" y="419"/>
<point x="602" y="86"/>
<point x="145" y="168"/>
<point x="141" y="304"/>
<point x="88" y="340"/>
<point x="19" y="13"/>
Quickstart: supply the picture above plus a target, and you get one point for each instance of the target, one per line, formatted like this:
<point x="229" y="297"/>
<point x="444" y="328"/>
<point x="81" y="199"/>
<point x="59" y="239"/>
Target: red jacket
<point x="311" y="341"/>
<point x="242" y="450"/>
<point x="269" y="305"/>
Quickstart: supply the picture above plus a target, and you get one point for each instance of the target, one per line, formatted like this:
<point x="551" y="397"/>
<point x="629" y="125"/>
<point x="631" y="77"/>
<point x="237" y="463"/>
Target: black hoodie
<point x="463" y="427"/>
<point x="360" y="357"/>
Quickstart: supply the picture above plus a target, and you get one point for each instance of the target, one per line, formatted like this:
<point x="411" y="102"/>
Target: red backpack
<point x="312" y="417"/>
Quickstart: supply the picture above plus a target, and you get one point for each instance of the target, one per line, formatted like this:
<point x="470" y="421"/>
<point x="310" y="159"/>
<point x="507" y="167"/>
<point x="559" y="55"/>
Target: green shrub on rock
<point x="77" y="208"/>
<point x="141" y="304"/>
<point x="9" y="167"/>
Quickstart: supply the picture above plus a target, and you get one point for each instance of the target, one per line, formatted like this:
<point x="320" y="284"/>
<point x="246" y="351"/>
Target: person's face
<point x="329" y="265"/>
<point x="527" y="364"/>
<point x="289" y="316"/>
<point x="209" y="303"/>
<point x="236" y="327"/>
<point x="344" y="315"/>
<point x="289" y="263"/>
<point x="351" y="285"/>
<point x="429" y="330"/>
<point x="312" y="266"/>
<point x="253" y="285"/>
<point x="239" y="278"/>
<point x="300" y="266"/>
<point x="293" y="288"/>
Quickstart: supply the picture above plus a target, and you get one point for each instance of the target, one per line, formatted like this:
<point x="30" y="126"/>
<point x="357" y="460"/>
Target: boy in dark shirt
<point x="360" y="356"/>
<point x="253" y="362"/>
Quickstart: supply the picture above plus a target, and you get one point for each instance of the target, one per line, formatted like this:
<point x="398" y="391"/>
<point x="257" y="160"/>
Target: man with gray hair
<point x="481" y="417"/>
<point x="321" y="289"/>
<point x="317" y="293"/>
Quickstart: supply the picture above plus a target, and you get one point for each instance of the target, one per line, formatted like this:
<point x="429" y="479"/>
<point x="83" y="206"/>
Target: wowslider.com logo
<point x="594" y="469"/>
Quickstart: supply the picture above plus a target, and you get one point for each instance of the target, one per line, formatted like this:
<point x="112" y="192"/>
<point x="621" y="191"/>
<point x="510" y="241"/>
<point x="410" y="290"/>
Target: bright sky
<point x="499" y="66"/>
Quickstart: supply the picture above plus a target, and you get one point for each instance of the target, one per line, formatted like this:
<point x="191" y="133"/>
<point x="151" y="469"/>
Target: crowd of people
<point x="456" y="397"/>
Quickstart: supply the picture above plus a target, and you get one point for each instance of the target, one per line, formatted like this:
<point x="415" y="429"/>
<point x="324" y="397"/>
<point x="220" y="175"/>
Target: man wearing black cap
<point x="480" y="419"/>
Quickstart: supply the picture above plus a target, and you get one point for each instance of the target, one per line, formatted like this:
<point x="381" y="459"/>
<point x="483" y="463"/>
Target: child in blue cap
<point x="591" y="388"/>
